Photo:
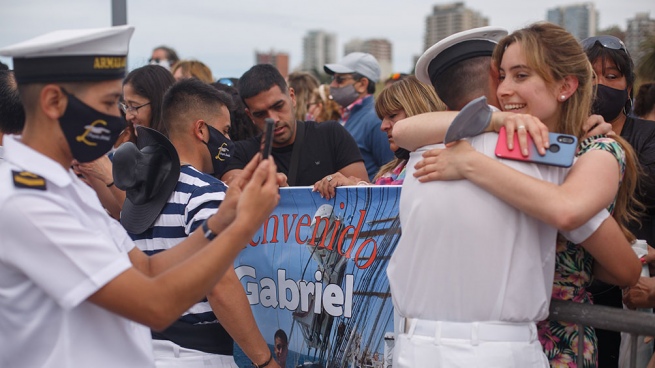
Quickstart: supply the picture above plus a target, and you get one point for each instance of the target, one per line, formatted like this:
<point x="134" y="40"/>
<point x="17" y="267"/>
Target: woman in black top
<point x="614" y="82"/>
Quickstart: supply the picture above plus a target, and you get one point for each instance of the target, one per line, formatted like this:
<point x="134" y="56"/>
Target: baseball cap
<point x="77" y="55"/>
<point x="356" y="62"/>
<point x="455" y="48"/>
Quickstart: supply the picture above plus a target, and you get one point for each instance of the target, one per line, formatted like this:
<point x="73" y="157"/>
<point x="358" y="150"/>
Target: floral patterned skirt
<point x="560" y="343"/>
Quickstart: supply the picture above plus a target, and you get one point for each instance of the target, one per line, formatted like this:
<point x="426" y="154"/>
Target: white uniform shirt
<point x="465" y="255"/>
<point x="58" y="247"/>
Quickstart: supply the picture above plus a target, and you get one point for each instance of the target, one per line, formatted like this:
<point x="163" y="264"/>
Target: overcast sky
<point x="225" y="34"/>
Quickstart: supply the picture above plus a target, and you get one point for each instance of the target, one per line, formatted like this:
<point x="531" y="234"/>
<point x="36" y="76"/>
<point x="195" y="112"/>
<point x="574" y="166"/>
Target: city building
<point x="353" y="45"/>
<point x="319" y="48"/>
<point x="378" y="47"/>
<point x="640" y="28"/>
<point x="448" y="19"/>
<point x="581" y="20"/>
<point x="280" y="60"/>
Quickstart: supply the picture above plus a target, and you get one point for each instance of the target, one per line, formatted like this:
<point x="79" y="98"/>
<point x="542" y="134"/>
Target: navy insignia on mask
<point x="28" y="180"/>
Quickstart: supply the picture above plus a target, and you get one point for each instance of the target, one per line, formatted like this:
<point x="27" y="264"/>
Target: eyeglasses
<point x="131" y="109"/>
<point x="609" y="42"/>
<point x="226" y="81"/>
<point x="341" y="78"/>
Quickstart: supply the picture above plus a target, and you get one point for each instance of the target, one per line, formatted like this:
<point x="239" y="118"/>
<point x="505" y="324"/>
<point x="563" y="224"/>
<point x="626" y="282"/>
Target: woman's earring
<point x="562" y="97"/>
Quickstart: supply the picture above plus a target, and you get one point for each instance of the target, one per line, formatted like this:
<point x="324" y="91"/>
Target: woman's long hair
<point x="553" y="53"/>
<point x="410" y="95"/>
<point x="152" y="82"/>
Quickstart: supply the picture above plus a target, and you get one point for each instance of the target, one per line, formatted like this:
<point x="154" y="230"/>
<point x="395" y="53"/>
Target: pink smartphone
<point x="560" y="153"/>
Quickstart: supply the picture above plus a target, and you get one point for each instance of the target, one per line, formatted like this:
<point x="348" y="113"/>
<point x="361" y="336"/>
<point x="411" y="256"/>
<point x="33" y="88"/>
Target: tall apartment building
<point x="640" y="28"/>
<point x="319" y="48"/>
<point x="378" y="47"/>
<point x="581" y="20"/>
<point x="448" y="19"/>
<point x="353" y="45"/>
<point x="280" y="60"/>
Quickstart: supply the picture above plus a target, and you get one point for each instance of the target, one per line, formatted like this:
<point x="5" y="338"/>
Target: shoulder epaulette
<point x="28" y="180"/>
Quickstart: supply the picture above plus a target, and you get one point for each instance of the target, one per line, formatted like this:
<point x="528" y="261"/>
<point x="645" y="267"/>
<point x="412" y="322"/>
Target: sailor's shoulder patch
<point x="28" y="180"/>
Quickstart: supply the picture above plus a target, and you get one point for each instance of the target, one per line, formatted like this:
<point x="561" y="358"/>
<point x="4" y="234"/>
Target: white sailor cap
<point x="455" y="48"/>
<point x="78" y="55"/>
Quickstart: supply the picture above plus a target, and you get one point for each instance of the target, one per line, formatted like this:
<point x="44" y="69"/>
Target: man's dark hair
<point x="241" y="127"/>
<point x="281" y="335"/>
<point x="371" y="85"/>
<point x="260" y="78"/>
<point x="3" y="66"/>
<point x="463" y="82"/>
<point x="171" y="55"/>
<point x="151" y="82"/>
<point x="645" y="99"/>
<point x="192" y="97"/>
<point x="12" y="114"/>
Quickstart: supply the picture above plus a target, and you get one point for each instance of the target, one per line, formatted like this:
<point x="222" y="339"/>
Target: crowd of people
<point x="125" y="199"/>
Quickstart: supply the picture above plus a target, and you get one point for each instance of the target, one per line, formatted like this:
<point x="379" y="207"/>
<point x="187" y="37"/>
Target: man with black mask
<point x="197" y="119"/>
<point x="614" y="82"/>
<point x="73" y="282"/>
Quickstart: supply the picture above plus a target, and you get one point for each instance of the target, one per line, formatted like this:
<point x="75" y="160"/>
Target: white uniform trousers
<point x="170" y="355"/>
<point x="468" y="345"/>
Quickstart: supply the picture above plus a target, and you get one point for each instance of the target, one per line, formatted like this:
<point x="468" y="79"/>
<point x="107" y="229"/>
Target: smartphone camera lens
<point x="564" y="139"/>
<point x="554" y="148"/>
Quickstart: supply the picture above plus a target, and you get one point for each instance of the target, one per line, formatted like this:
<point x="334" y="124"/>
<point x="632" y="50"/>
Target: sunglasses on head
<point x="608" y="42"/>
<point x="226" y="81"/>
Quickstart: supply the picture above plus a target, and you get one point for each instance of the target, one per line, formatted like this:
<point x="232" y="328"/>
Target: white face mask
<point x="161" y="62"/>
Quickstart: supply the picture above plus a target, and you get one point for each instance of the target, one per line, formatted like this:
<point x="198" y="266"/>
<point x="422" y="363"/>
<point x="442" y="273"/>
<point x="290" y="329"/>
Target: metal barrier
<point x="634" y="322"/>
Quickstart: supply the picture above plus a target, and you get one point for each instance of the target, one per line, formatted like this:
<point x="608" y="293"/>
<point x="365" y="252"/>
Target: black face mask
<point x="401" y="153"/>
<point x="89" y="132"/>
<point x="609" y="102"/>
<point x="220" y="149"/>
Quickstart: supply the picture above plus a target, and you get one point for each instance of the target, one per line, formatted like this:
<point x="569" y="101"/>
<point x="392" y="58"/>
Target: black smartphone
<point x="268" y="137"/>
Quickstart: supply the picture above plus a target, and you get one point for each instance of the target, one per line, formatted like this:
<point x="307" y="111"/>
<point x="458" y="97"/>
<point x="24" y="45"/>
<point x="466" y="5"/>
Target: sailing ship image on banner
<point x="317" y="271"/>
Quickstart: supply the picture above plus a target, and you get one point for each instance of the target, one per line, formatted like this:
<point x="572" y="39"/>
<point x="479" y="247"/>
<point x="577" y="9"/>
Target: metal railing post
<point x="636" y="323"/>
<point x="580" y="357"/>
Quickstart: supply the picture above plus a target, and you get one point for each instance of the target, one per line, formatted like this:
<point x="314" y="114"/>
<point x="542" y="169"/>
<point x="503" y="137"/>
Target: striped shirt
<point x="196" y="197"/>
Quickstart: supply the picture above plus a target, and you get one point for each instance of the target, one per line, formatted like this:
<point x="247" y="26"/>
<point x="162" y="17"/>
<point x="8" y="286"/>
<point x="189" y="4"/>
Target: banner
<point x="315" y="276"/>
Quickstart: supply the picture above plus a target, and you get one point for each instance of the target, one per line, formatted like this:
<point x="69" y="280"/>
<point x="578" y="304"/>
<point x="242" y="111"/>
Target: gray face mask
<point x="344" y="96"/>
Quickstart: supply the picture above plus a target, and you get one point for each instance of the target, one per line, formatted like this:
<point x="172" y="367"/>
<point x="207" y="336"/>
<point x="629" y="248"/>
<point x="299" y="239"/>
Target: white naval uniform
<point x="467" y="256"/>
<point x="58" y="247"/>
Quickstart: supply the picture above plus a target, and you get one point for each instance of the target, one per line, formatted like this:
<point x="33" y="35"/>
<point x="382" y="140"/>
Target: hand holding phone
<point x="560" y="152"/>
<point x="268" y="138"/>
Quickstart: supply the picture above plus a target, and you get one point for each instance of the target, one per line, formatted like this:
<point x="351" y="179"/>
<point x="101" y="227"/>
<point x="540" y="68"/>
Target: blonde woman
<point x="184" y="69"/>
<point x="321" y="107"/>
<point x="398" y="101"/>
<point x="303" y="85"/>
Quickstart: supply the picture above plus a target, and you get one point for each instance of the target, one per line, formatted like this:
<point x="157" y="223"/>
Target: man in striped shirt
<point x="197" y="119"/>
